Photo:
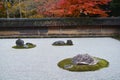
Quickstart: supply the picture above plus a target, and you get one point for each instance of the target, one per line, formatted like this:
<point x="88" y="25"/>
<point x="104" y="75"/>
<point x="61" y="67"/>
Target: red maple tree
<point x="1" y="5"/>
<point x="74" y="8"/>
<point x="2" y="10"/>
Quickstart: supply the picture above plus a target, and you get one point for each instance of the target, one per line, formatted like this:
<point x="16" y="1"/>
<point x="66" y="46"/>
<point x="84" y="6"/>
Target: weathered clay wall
<point x="60" y="26"/>
<point x="86" y="30"/>
<point x="77" y="30"/>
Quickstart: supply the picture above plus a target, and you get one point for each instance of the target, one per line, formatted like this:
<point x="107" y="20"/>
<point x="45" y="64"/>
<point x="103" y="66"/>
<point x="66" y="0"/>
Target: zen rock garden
<point x="80" y="62"/>
<point x="62" y="43"/>
<point x="21" y="45"/>
<point x="83" y="62"/>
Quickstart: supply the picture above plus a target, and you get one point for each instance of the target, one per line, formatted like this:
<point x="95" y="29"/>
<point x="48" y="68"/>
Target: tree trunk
<point x="6" y="7"/>
<point x="20" y="9"/>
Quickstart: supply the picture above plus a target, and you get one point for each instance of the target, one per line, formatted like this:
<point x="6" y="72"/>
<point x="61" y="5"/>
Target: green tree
<point x="115" y="6"/>
<point x="23" y="9"/>
<point x="18" y="8"/>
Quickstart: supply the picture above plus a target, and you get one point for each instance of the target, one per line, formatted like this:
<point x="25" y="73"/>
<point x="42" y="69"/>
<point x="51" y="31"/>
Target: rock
<point x="84" y="59"/>
<point x="59" y="43"/>
<point x="19" y="42"/>
<point x="25" y="46"/>
<point x="69" y="42"/>
<point x="29" y="43"/>
<point x="68" y="66"/>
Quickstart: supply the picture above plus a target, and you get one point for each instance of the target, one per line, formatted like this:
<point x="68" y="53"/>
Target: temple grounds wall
<point x="60" y="26"/>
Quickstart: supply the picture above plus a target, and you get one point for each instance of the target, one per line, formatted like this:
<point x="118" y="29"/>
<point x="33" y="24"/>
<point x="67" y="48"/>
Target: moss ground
<point x="116" y="37"/>
<point x="22" y="47"/>
<point x="62" y="45"/>
<point x="101" y="64"/>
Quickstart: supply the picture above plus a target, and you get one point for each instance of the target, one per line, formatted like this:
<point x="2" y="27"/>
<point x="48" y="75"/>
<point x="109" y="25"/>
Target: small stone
<point x="68" y="66"/>
<point x="69" y="42"/>
<point x="25" y="46"/>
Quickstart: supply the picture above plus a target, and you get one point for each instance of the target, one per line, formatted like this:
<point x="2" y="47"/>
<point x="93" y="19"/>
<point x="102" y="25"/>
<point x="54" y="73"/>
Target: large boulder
<point x="84" y="59"/>
<point x="19" y="42"/>
<point x="59" y="43"/>
<point x="69" y="42"/>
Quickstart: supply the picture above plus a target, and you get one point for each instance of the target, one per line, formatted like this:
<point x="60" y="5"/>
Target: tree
<point x="18" y="9"/>
<point x="7" y="4"/>
<point x="115" y="6"/>
<point x="2" y="10"/>
<point x="43" y="6"/>
<point x="75" y="8"/>
<point x="1" y="5"/>
<point x="22" y="8"/>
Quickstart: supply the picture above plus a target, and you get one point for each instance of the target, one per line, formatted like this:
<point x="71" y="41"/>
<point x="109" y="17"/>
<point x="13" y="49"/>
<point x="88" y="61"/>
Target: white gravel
<point x="40" y="63"/>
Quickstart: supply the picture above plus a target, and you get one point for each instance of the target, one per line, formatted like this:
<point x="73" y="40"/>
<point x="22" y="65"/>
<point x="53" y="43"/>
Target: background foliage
<point x="58" y="8"/>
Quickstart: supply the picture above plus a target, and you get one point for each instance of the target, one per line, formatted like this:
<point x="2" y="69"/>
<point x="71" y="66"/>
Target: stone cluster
<point x="20" y="43"/>
<point x="84" y="59"/>
<point x="69" y="42"/>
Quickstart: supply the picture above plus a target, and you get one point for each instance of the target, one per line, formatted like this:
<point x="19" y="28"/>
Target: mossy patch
<point x="78" y="68"/>
<point x="23" y="47"/>
<point x="62" y="45"/>
<point x="116" y="37"/>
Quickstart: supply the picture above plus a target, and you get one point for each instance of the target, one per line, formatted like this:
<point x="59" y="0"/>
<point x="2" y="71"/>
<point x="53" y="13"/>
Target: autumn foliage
<point x="54" y="8"/>
<point x="2" y="10"/>
<point x="1" y="5"/>
<point x="74" y="8"/>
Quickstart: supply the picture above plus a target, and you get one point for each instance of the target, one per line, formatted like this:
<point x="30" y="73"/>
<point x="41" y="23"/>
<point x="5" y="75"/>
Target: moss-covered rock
<point x="20" y="45"/>
<point x="68" y="65"/>
<point x="62" y="43"/>
<point x="58" y="43"/>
